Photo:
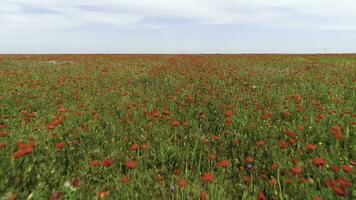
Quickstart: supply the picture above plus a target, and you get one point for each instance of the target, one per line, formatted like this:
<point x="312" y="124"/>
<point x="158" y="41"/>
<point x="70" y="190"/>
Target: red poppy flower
<point x="259" y="142"/>
<point x="55" y="196"/>
<point x="296" y="170"/>
<point x="130" y="164"/>
<point x="211" y="157"/>
<point x="144" y="147"/>
<point x="207" y="177"/>
<point x="175" y="123"/>
<point x="248" y="159"/>
<point x="317" y="198"/>
<point x="107" y="163"/>
<point x="75" y="182"/>
<point x="60" y="145"/>
<point x="310" y="147"/>
<point x="266" y="116"/>
<point x="124" y="180"/>
<point x="336" y="131"/>
<point x="95" y="163"/>
<point x="335" y="168"/>
<point x="24" y="149"/>
<point x="346" y="168"/>
<point x="339" y="191"/>
<point x="222" y="163"/>
<point x="3" y="126"/>
<point x="282" y="144"/>
<point x="318" y="162"/>
<point x="228" y="121"/>
<point x="274" y="166"/>
<point x="272" y="182"/>
<point x="181" y="183"/>
<point x="203" y="196"/>
<point x="3" y="134"/>
<point x="343" y="182"/>
<point x="134" y="147"/>
<point x="261" y="196"/>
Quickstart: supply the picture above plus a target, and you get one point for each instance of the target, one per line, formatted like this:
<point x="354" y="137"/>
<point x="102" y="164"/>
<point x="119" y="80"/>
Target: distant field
<point x="178" y="127"/>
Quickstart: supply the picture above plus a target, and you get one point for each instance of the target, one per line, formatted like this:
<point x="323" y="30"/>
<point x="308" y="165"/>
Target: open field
<point x="177" y="126"/>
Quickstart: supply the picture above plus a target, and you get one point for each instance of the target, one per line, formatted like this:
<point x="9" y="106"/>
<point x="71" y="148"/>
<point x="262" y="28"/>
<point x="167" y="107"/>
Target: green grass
<point x="114" y="101"/>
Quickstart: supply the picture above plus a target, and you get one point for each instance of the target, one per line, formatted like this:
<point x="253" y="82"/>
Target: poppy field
<point x="177" y="127"/>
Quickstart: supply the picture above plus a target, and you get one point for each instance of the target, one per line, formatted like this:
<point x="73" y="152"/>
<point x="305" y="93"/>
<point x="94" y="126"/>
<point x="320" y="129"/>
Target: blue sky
<point x="185" y="26"/>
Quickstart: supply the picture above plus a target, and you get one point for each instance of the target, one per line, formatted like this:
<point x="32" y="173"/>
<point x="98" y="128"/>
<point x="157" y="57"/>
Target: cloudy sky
<point x="177" y="26"/>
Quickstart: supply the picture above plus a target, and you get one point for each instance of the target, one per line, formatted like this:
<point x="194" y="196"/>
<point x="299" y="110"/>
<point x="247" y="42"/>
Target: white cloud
<point x="317" y="14"/>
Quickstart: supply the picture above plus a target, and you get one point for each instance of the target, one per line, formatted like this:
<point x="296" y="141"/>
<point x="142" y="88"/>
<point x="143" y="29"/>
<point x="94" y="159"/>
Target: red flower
<point x="95" y="163"/>
<point x="335" y="168"/>
<point x="339" y="191"/>
<point x="272" y="182"/>
<point x="3" y="134"/>
<point x="175" y="123"/>
<point x="134" y="147"/>
<point x="282" y="144"/>
<point x="259" y="142"/>
<point x="203" y="196"/>
<point x="181" y="183"/>
<point x="346" y="168"/>
<point x="75" y="182"/>
<point x="144" y="147"/>
<point x="248" y="159"/>
<point x="107" y="163"/>
<point x="130" y="164"/>
<point x="228" y="121"/>
<point x="222" y="163"/>
<point x="261" y="196"/>
<point x="318" y="162"/>
<point x="296" y="170"/>
<point x="125" y="180"/>
<point x="207" y="177"/>
<point x="310" y="147"/>
<point x="274" y="166"/>
<point x="55" y="196"/>
<point x="266" y="116"/>
<point x="24" y="149"/>
<point x="211" y="157"/>
<point x="336" y="131"/>
<point x="60" y="146"/>
<point x="3" y="126"/>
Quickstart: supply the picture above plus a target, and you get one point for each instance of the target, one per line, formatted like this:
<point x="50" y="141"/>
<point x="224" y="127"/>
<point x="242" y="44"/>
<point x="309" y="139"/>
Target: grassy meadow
<point x="178" y="127"/>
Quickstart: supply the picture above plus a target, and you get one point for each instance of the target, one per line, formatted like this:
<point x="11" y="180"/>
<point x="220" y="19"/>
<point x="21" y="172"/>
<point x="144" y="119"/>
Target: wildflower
<point x="3" y="134"/>
<point x="261" y="196"/>
<point x="175" y="123"/>
<point x="346" y="168"/>
<point x="272" y="182"/>
<point x="207" y="177"/>
<point x="211" y="157"/>
<point x="144" y="147"/>
<point x="107" y="163"/>
<point x="222" y="163"/>
<point x="248" y="159"/>
<point x="130" y="164"/>
<point x="181" y="183"/>
<point x="24" y="149"/>
<point x="337" y="133"/>
<point x="259" y="143"/>
<point x="125" y="180"/>
<point x="274" y="166"/>
<point x="310" y="147"/>
<point x="318" y="162"/>
<point x="134" y="147"/>
<point x="60" y="146"/>
<point x="55" y="196"/>
<point x="335" y="168"/>
<point x="75" y="183"/>
<point x="339" y="191"/>
<point x="228" y="121"/>
<point x="296" y="170"/>
<point x="95" y="163"/>
<point x="249" y="167"/>
<point x="203" y="196"/>
<point x="282" y="144"/>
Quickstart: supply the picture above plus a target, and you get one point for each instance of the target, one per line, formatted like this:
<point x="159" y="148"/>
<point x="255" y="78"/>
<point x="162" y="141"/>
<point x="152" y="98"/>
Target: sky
<point x="179" y="26"/>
